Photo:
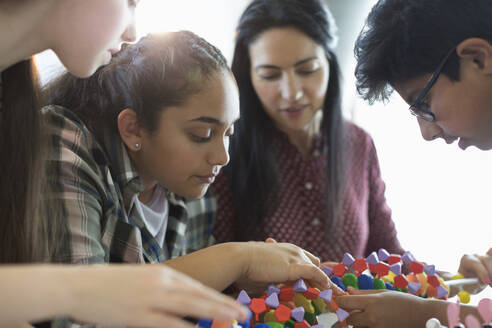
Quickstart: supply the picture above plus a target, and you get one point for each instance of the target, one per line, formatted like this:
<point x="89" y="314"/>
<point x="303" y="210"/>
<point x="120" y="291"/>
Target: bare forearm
<point x="31" y="293"/>
<point x="437" y="309"/>
<point x="217" y="266"/>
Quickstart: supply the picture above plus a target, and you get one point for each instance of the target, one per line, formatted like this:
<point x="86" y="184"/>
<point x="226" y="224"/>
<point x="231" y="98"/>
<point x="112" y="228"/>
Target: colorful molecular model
<point x="290" y="306"/>
<point x="382" y="270"/>
<point x="453" y="314"/>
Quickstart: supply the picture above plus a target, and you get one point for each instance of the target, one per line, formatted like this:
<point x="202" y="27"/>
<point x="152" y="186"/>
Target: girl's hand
<point x="477" y="266"/>
<point x="329" y="264"/>
<point x="144" y="295"/>
<point x="271" y="262"/>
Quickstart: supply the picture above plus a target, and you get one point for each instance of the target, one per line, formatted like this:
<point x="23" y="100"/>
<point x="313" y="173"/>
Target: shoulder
<point x="55" y="114"/>
<point x="64" y="125"/>
<point x="359" y="139"/>
<point x="71" y="140"/>
<point x="355" y="132"/>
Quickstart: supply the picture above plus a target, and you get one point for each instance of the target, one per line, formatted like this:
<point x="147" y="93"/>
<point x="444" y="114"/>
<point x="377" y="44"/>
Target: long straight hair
<point x="252" y="171"/>
<point x="24" y="212"/>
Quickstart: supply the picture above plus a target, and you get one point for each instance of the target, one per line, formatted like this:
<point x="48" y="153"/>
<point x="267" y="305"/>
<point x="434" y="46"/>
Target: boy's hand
<point x="381" y="309"/>
<point x="477" y="266"/>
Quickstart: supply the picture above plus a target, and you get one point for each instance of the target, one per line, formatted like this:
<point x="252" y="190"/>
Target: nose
<point x="130" y="34"/>
<point x="219" y="155"/>
<point x="291" y="88"/>
<point x="429" y="130"/>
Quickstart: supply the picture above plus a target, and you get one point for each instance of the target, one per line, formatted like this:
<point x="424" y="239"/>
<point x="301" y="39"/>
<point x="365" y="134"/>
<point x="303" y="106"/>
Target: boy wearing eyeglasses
<point x="437" y="55"/>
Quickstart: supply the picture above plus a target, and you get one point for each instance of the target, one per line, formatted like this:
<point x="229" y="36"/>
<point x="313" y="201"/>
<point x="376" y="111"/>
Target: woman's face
<point x="87" y="33"/>
<point x="290" y="74"/>
<point x="191" y="143"/>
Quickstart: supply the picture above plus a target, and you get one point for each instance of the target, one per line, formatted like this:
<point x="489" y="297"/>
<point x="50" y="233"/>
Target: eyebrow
<point x="207" y="119"/>
<point x="299" y="63"/>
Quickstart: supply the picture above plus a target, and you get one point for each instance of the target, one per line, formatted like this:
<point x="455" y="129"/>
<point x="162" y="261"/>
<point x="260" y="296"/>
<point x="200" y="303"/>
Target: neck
<point x="22" y="30"/>
<point x="146" y="195"/>
<point x="149" y="182"/>
<point x="303" y="139"/>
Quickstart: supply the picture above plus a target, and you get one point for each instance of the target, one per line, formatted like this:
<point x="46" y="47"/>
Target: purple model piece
<point x="413" y="287"/>
<point x="272" y="301"/>
<point x="300" y="286"/>
<point x="326" y="295"/>
<point x="348" y="259"/>
<point x="383" y="254"/>
<point x="243" y="298"/>
<point x="342" y="314"/>
<point x="372" y="258"/>
<point x="272" y="289"/>
<point x="298" y="314"/>
<point x="396" y="268"/>
<point x="327" y="270"/>
<point x="441" y="291"/>
<point x="430" y="269"/>
<point x="407" y="257"/>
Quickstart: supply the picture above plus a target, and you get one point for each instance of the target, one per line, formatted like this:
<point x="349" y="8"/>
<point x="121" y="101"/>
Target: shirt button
<point x="308" y="185"/>
<point x="316" y="153"/>
<point x="316" y="222"/>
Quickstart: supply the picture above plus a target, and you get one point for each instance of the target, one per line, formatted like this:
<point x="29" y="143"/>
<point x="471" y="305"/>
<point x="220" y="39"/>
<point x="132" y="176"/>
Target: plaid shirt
<point x="97" y="185"/>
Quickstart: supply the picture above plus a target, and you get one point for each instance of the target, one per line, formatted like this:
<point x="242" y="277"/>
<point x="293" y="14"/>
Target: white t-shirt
<point x="155" y="215"/>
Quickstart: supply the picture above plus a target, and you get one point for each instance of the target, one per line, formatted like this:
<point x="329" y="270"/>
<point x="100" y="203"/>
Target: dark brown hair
<point x="24" y="213"/>
<point x="406" y="39"/>
<point x="159" y="71"/>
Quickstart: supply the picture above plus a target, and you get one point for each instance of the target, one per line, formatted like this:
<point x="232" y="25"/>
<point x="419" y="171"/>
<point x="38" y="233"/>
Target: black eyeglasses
<point x="421" y="109"/>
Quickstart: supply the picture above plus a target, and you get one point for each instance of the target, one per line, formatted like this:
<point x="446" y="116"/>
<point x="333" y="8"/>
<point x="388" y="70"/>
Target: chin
<point x="83" y="68"/>
<point x="194" y="194"/>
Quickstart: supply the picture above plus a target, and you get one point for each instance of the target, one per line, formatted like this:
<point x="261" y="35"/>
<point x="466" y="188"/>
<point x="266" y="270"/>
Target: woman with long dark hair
<point x="84" y="35"/>
<point x="299" y="171"/>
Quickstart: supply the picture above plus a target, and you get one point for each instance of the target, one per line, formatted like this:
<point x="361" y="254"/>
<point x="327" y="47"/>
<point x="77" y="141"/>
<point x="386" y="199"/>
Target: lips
<point x="294" y="109"/>
<point x="207" y="179"/>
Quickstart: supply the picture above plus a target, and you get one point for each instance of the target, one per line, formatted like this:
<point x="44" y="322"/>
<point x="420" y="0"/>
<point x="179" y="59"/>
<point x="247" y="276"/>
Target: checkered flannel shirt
<point x="97" y="185"/>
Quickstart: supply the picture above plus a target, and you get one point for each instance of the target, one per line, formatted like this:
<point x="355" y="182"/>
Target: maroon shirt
<point x="299" y="217"/>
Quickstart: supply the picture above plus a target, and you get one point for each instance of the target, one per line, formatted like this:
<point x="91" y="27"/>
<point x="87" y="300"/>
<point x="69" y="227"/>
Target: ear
<point x="129" y="129"/>
<point x="478" y="52"/>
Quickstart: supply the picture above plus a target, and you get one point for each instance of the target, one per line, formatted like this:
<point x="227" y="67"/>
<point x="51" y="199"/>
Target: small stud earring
<point x="137" y="145"/>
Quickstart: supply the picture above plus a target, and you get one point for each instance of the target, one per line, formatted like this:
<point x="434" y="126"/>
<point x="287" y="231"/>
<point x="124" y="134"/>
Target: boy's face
<point x="462" y="109"/>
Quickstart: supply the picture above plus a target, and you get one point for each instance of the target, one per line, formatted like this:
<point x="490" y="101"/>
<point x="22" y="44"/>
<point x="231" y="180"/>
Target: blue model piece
<point x="338" y="281"/>
<point x="364" y="282"/>
<point x="204" y="323"/>
<point x="388" y="286"/>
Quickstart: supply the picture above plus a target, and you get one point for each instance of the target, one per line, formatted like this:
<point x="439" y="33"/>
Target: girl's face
<point x="290" y="73"/>
<point x="87" y="33"/>
<point x="191" y="143"/>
